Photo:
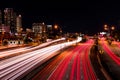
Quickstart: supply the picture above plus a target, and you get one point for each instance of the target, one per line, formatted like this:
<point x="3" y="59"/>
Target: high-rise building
<point x="49" y="31"/>
<point x="0" y="21"/>
<point x="10" y="19"/>
<point x="19" y="23"/>
<point x="39" y="29"/>
<point x="0" y="18"/>
<point x="49" y="27"/>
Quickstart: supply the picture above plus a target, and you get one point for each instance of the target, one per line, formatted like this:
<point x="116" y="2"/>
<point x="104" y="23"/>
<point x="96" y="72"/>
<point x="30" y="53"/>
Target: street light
<point x="56" y="27"/>
<point x="110" y="34"/>
<point x="108" y="28"/>
<point x="112" y="28"/>
<point x="112" y="31"/>
<point x="105" y="27"/>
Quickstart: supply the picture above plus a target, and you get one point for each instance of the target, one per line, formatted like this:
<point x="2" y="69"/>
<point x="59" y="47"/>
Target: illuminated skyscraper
<point x="0" y="18"/>
<point x="19" y="23"/>
<point x="40" y="30"/>
<point x="10" y="19"/>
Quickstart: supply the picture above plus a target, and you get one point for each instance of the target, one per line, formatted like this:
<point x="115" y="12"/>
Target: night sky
<point x="73" y="16"/>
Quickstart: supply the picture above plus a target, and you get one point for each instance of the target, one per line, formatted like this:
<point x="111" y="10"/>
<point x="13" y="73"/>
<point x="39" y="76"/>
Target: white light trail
<point x="15" y="67"/>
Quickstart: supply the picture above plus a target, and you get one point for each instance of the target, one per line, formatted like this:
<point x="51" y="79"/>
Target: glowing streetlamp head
<point x="105" y="25"/>
<point x="112" y="27"/>
<point x="55" y="26"/>
<point x="105" y="28"/>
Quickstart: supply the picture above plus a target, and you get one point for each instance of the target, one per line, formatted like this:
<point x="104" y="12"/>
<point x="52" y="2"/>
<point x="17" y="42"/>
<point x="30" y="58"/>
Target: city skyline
<point x="59" y="40"/>
<point x="86" y="17"/>
<point x="10" y="21"/>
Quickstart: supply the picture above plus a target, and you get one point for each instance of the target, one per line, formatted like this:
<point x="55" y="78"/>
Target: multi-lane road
<point x="16" y="67"/>
<point x="10" y="53"/>
<point x="110" y="58"/>
<point x="110" y="52"/>
<point x="73" y="64"/>
<point x="55" y="62"/>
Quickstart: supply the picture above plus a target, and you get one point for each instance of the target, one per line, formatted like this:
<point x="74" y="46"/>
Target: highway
<point x="115" y="48"/>
<point x="18" y="66"/>
<point x="110" y="58"/>
<point x="107" y="49"/>
<point x="10" y="53"/>
<point x="72" y="64"/>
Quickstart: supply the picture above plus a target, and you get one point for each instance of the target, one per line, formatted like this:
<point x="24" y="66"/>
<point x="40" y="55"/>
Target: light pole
<point x="112" y="28"/>
<point x="56" y="27"/>
<point x="58" y="31"/>
<point x="109" y="29"/>
<point x="112" y="31"/>
<point x="105" y="27"/>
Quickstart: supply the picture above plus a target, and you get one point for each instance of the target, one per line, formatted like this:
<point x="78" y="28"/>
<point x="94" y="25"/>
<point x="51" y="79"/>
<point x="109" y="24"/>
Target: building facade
<point x="10" y="19"/>
<point x="40" y="30"/>
<point x="19" y="23"/>
<point x="0" y="17"/>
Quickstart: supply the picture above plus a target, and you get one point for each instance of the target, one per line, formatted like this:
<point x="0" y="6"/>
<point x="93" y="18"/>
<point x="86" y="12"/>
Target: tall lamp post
<point x="112" y="30"/>
<point x="109" y="29"/>
<point x="58" y="31"/>
<point x="56" y="27"/>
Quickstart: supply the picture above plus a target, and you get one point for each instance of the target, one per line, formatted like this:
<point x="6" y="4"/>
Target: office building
<point x="0" y="18"/>
<point x="10" y="19"/>
<point x="19" y="23"/>
<point x="40" y="30"/>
